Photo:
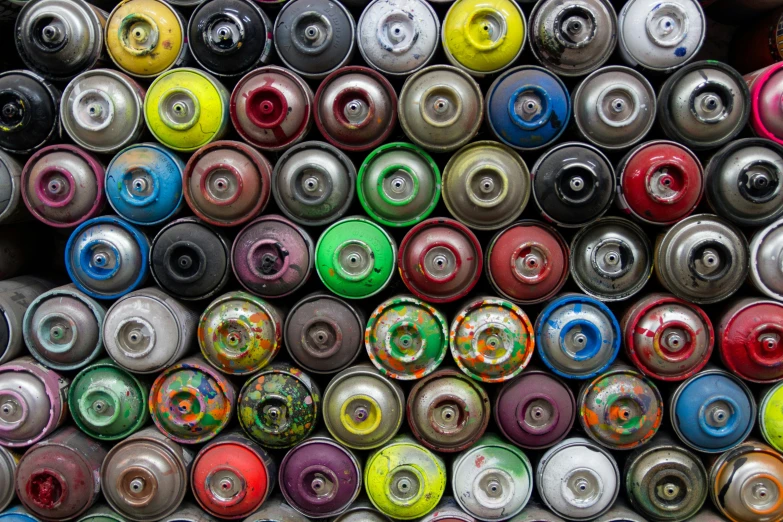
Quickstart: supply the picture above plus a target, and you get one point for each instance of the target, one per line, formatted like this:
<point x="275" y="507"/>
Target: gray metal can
<point x="147" y="330"/>
<point x="766" y="252"/>
<point x="8" y="463"/>
<point x="536" y="513"/>
<point x="620" y="512"/>
<point x="188" y="512"/>
<point x="361" y="511"/>
<point x="11" y="207"/>
<point x="16" y="295"/>
<point x="276" y="510"/>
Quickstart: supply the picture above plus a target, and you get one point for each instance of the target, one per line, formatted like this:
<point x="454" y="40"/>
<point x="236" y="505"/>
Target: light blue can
<point x="17" y="514"/>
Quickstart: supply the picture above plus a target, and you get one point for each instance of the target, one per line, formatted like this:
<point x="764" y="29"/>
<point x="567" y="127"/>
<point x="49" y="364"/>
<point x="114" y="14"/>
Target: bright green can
<point x="771" y="416"/>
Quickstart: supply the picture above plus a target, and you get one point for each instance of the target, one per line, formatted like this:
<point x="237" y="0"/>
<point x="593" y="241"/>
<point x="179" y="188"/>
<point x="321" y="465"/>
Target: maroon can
<point x="535" y="410"/>
<point x="59" y="478"/>
<point x="320" y="478"/>
<point x="527" y="262"/>
<point x="272" y="257"/>
<point x="440" y="260"/>
<point x="750" y="340"/>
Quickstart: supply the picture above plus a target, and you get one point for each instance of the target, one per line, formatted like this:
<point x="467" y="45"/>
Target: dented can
<point x="355" y="258"/>
<point x="108" y="403"/>
<point x="486" y="185"/>
<point x="239" y="333"/>
<point x="665" y="481"/>
<point x="745" y="182"/>
<point x="272" y="108"/>
<point x="538" y="257"/>
<point x="146" y="475"/>
<point x="362" y="408"/>
<point x="102" y="111"/>
<point x="621" y="409"/>
<point x="667" y="338"/>
<point x="398" y="37"/>
<point x="573" y="184"/>
<point x="573" y="38"/>
<point x="535" y="410"/>
<point x="29" y="112"/>
<point x="659" y="182"/>
<point x="483" y="37"/>
<point x="32" y="402"/>
<point x="492" y="480"/>
<point x="750" y="340"/>
<point x="577" y="479"/>
<point x="361" y="511"/>
<point x="145" y="38"/>
<point x="771" y="415"/>
<point x="319" y="478"/>
<point x="324" y="334"/>
<point x="355" y="108"/>
<point x="276" y="510"/>
<point x="278" y="407"/>
<point x="59" y="39"/>
<point x="713" y="411"/>
<point x="614" y="107"/>
<point x="8" y="463"/>
<point x="147" y="331"/>
<point x="441" y="107"/>
<point x="746" y="483"/>
<point x="766" y="248"/>
<point x="190" y="260"/>
<point x="447" y="412"/>
<point x="702" y="259"/>
<point x="611" y="259"/>
<point x="491" y="339"/>
<point x="314" y="39"/>
<point x="16" y="296"/>
<point x="578" y="336"/>
<point x="232" y="476"/>
<point x="314" y="183"/>
<point x="230" y="38"/>
<point x="528" y="107"/>
<point x="227" y="183"/>
<point x="440" y="260"/>
<point x="62" y="328"/>
<point x="62" y="186"/>
<point x="673" y="33"/>
<point x="766" y="89"/>
<point x="11" y="208"/>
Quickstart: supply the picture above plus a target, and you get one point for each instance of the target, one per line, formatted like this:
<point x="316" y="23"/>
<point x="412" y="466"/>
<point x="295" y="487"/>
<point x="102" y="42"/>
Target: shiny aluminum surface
<point x="766" y="260"/>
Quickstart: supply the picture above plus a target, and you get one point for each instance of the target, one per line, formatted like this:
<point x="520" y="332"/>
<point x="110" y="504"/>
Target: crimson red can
<point x="750" y="340"/>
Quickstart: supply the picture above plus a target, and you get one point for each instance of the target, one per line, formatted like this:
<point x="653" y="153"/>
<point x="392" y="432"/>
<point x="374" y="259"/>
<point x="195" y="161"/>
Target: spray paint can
<point x="62" y="328"/>
<point x="538" y="256"/>
<point x="277" y="511"/>
<point x="319" y="478"/>
<point x="227" y="183"/>
<point x="440" y="260"/>
<point x="702" y="259"/>
<point x="578" y="336"/>
<point x="232" y="476"/>
<point x="272" y="257"/>
<point x="145" y="38"/>
<point x="447" y="412"/>
<point x="361" y="511"/>
<point x="528" y="107"/>
<point x="535" y="513"/>
<point x="573" y="39"/>
<point x="189" y="512"/>
<point x="491" y="339"/>
<point x="8" y="462"/>
<point x="100" y="513"/>
<point x="707" y="515"/>
<point x="147" y="331"/>
<point x="765" y="247"/>
<point x="239" y="333"/>
<point x="674" y="33"/>
<point x="744" y="181"/>
<point x="355" y="108"/>
<point x="17" y="514"/>
<point x="771" y="415"/>
<point x="362" y="408"/>
<point x="535" y="410"/>
<point x="146" y="476"/>
<point x="11" y="209"/>
<point x="314" y="183"/>
<point x="620" y="512"/>
<point x="577" y="479"/>
<point x="665" y="481"/>
<point x="230" y="38"/>
<point x="573" y="184"/>
<point x="106" y="402"/>
<point x="667" y="338"/>
<point x="16" y="295"/>
<point x="106" y="257"/>
<point x="101" y="111"/>
<point x="441" y="107"/>
<point x="29" y="112"/>
<point x="62" y="186"/>
<point x="486" y="185"/>
<point x="750" y="339"/>
<point x="323" y="334"/>
<point x="659" y="182"/>
<point x="713" y="411"/>
<point x="355" y="258"/>
<point x="189" y="259"/>
<point x="447" y="511"/>
<point x="272" y="108"/>
<point x="766" y="88"/>
<point x="278" y="407"/>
